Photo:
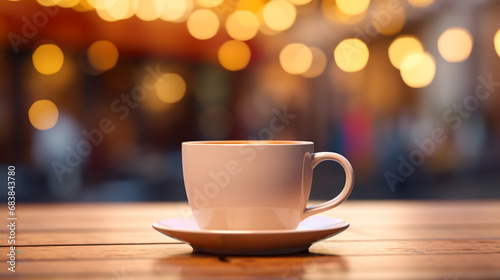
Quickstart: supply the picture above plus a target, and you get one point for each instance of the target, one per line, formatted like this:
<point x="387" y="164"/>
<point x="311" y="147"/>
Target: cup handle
<point x="346" y="191"/>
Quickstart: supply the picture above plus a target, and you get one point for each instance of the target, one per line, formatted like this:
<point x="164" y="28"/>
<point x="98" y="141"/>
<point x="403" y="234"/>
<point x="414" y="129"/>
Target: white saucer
<point x="264" y="242"/>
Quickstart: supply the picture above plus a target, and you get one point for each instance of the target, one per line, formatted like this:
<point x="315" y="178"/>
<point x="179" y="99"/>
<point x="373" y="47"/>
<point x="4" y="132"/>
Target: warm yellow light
<point x="66" y="3"/>
<point x="418" y="70"/>
<point x="102" y="55"/>
<point x="296" y="58"/>
<point x="250" y="5"/>
<point x="420" y="3"/>
<point x="119" y="10"/>
<point x="209" y="3"/>
<point x="48" y="59"/>
<point x="387" y="23"/>
<point x="100" y="4"/>
<point x="279" y="15"/>
<point x="496" y="42"/>
<point x="176" y="10"/>
<point x="149" y="10"/>
<point x="333" y="14"/>
<point x="83" y="6"/>
<point x="43" y="114"/>
<point x="170" y="88"/>
<point x="353" y="7"/>
<point x="152" y="103"/>
<point x="203" y="24"/>
<point x="242" y="25"/>
<point x="47" y="3"/>
<point x="299" y="2"/>
<point x="318" y="64"/>
<point x="351" y="55"/>
<point x="455" y="44"/>
<point x="402" y="47"/>
<point x="234" y="55"/>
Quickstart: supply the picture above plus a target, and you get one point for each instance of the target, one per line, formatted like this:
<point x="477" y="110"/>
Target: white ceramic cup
<point x="254" y="185"/>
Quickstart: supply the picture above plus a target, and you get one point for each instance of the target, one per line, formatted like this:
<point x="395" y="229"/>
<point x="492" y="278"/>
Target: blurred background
<point x="98" y="95"/>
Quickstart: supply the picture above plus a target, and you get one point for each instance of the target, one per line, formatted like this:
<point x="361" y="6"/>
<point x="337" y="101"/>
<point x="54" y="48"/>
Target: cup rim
<point x="248" y="142"/>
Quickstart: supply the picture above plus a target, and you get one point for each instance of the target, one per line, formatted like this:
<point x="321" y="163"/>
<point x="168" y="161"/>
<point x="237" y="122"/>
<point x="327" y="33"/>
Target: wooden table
<point x="386" y="240"/>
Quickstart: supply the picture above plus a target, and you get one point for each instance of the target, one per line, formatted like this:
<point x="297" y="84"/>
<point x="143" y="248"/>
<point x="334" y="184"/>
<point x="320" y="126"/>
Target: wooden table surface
<point x="386" y="240"/>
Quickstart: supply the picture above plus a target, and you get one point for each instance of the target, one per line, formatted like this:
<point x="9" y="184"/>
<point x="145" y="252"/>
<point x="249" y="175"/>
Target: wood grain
<point x="340" y="248"/>
<point x="386" y="240"/>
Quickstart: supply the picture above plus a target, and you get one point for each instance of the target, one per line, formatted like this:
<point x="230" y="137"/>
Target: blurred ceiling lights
<point x="402" y="47"/>
<point x="455" y="44"/>
<point x="203" y="24"/>
<point x="48" y="59"/>
<point x="318" y="63"/>
<point x="496" y="42"/>
<point x="242" y="25"/>
<point x="279" y="15"/>
<point x="170" y="88"/>
<point x="351" y="55"/>
<point x="418" y="70"/>
<point x="353" y="7"/>
<point x="333" y="13"/>
<point x="420" y="3"/>
<point x="209" y="3"/>
<point x="243" y="20"/>
<point x="43" y="114"/>
<point x="296" y="58"/>
<point x="102" y="55"/>
<point x="234" y="55"/>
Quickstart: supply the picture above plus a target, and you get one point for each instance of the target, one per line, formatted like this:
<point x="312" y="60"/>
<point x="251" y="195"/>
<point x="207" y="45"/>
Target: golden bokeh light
<point x="43" y="114"/>
<point x="420" y="3"/>
<point x="496" y="42"/>
<point x="209" y="3"/>
<point x="47" y="3"/>
<point x="119" y="10"/>
<point x="264" y="29"/>
<point x="253" y="6"/>
<point x="388" y="23"/>
<point x="176" y="10"/>
<point x="100" y="4"/>
<point x="299" y="2"/>
<point x="242" y="25"/>
<point x="170" y="88"/>
<point x="203" y="24"/>
<point x="48" y="59"/>
<point x="353" y="7"/>
<point x="402" y="47"/>
<point x="351" y="55"/>
<point x="234" y="55"/>
<point x="102" y="55"/>
<point x="333" y="14"/>
<point x="83" y="6"/>
<point x="318" y="64"/>
<point x="66" y="3"/>
<point x="418" y="70"/>
<point x="455" y="44"/>
<point x="279" y="15"/>
<point x="296" y="58"/>
<point x="149" y="10"/>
